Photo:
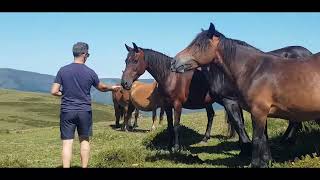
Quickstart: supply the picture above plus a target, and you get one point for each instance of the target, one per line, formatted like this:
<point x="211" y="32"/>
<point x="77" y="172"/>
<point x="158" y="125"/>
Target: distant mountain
<point x="36" y="82"/>
<point x="25" y="80"/>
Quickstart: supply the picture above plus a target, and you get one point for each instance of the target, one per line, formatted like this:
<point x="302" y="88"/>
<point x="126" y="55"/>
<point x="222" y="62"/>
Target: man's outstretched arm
<point x="55" y="89"/>
<point x="106" y="87"/>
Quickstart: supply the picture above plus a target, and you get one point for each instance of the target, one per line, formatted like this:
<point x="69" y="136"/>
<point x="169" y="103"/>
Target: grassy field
<point x="29" y="134"/>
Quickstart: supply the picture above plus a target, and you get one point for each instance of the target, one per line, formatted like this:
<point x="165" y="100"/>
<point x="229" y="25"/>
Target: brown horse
<point x="267" y="85"/>
<point x="288" y="52"/>
<point x="121" y="104"/>
<point x="146" y="97"/>
<point x="143" y="96"/>
<point x="189" y="90"/>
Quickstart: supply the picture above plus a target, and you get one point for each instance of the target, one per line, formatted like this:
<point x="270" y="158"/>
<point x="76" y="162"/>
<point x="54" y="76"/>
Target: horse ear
<point x="135" y="47"/>
<point x="211" y="31"/>
<point x="128" y="48"/>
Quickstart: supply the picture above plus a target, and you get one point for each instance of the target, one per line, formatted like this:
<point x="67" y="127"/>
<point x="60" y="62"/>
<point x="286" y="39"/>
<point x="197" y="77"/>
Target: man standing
<point x="76" y="80"/>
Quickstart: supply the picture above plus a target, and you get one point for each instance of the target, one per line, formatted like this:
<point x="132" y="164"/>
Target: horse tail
<point x="231" y="131"/>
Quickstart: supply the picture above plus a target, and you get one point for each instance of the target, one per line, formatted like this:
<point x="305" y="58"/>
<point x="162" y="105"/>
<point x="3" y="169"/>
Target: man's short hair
<point x="80" y="48"/>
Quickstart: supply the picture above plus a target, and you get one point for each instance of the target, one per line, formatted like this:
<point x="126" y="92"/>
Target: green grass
<point x="29" y="134"/>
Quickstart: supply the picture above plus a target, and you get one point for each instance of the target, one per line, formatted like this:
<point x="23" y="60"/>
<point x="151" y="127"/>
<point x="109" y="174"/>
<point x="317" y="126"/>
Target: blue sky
<point x="42" y="42"/>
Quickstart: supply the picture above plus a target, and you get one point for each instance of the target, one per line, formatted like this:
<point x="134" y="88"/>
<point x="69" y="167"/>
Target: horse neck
<point x="240" y="62"/>
<point x="158" y="66"/>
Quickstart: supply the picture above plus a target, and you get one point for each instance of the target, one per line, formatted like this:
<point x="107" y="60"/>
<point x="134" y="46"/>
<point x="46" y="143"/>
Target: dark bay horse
<point x="288" y="52"/>
<point x="298" y="52"/>
<point x="189" y="90"/>
<point x="267" y="85"/>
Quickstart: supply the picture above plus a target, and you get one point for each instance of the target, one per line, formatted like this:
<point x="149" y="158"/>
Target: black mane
<point x="201" y="43"/>
<point x="160" y="62"/>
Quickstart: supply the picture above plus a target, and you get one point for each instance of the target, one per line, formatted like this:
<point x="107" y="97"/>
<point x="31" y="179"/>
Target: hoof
<point x="175" y="149"/>
<point x="205" y="140"/>
<point x="125" y="128"/>
<point x="258" y="165"/>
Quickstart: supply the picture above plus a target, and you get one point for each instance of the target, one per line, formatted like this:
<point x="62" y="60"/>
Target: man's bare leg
<point x="66" y="152"/>
<point x="84" y="151"/>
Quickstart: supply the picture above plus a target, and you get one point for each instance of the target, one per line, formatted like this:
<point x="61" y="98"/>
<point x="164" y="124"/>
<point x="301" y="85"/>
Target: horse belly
<point x="143" y="104"/>
<point x="298" y="100"/>
<point x="295" y="112"/>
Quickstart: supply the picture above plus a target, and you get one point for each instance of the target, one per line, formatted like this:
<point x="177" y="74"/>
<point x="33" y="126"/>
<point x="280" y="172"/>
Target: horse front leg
<point x="129" y="110"/>
<point x="170" y="131"/>
<point x="261" y="154"/>
<point x="210" y="115"/>
<point x="236" y="119"/>
<point x="176" y="125"/>
<point x="118" y="114"/>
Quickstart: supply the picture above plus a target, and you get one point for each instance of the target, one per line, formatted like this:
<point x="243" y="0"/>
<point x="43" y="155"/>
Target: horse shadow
<point x="224" y="147"/>
<point x="70" y="167"/>
<point x="187" y="137"/>
<point x="221" y="148"/>
<point x="306" y="144"/>
<point x="113" y="126"/>
<point x="136" y="130"/>
<point x="131" y="129"/>
<point x="233" y="160"/>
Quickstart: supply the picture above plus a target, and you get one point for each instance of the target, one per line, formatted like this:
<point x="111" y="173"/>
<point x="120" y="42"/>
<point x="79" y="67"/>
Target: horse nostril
<point x="123" y="83"/>
<point x="126" y="84"/>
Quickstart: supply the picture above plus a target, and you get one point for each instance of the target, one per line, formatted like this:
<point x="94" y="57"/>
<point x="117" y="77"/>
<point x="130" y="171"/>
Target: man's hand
<point x="116" y="88"/>
<point x="55" y="89"/>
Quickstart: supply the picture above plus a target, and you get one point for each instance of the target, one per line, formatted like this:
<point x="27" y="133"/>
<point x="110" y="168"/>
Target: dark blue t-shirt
<point x="76" y="81"/>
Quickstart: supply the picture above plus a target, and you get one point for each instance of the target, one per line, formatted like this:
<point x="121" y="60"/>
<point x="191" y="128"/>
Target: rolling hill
<point x="30" y="137"/>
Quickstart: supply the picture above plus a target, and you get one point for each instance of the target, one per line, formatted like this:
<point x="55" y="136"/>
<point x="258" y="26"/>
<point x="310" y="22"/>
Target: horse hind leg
<point x="136" y="116"/>
<point x="210" y="115"/>
<point x="231" y="133"/>
<point x="161" y="115"/>
<point x="154" y="119"/>
<point x="289" y="136"/>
